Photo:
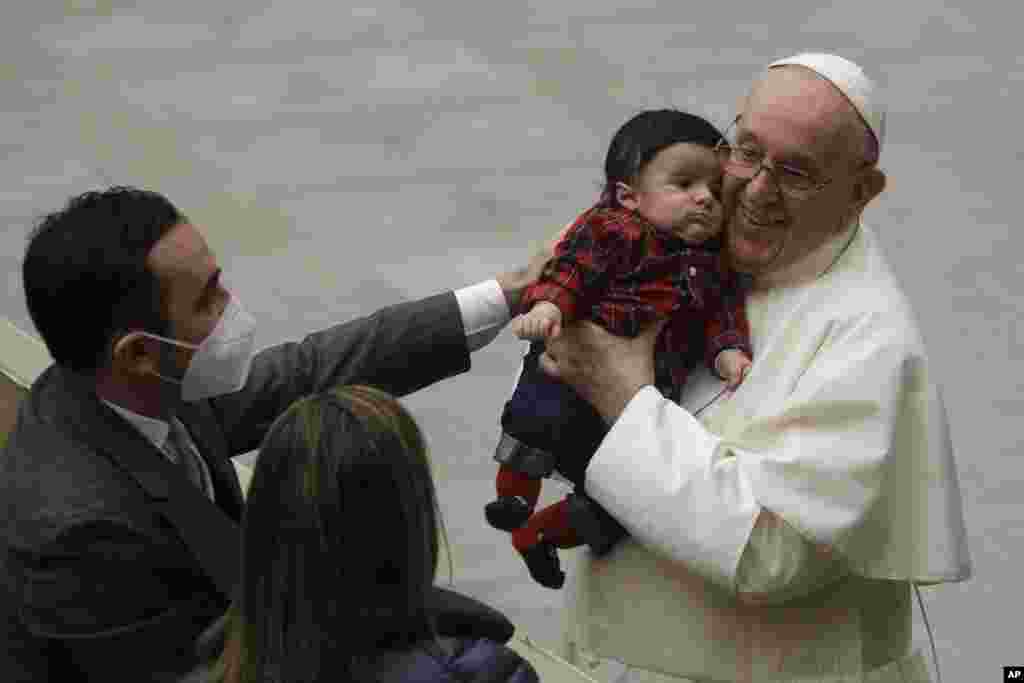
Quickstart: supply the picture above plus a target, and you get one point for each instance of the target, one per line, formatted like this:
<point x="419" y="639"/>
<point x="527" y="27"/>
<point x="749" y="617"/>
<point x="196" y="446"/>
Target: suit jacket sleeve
<point x="399" y="349"/>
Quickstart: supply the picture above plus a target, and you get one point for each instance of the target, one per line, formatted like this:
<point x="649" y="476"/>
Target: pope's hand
<point x="604" y="369"/>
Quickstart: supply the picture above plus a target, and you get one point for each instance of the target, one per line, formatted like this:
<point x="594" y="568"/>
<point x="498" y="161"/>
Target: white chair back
<point x="23" y="357"/>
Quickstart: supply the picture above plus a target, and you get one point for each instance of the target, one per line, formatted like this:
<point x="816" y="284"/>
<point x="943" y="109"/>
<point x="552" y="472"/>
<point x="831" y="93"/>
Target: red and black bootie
<point x="542" y="561"/>
<point x="517" y="497"/>
<point x="536" y="542"/>
<point x="508" y="513"/>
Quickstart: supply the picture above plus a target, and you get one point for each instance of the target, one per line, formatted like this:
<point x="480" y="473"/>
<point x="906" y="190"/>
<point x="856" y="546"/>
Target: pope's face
<point x="790" y="117"/>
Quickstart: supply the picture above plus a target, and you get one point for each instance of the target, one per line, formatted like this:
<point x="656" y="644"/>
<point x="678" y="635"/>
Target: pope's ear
<point x="869" y="185"/>
<point x="131" y="355"/>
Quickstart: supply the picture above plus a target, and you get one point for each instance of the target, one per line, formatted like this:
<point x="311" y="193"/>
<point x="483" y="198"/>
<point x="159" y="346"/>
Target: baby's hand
<point x="542" y="322"/>
<point x="733" y="365"/>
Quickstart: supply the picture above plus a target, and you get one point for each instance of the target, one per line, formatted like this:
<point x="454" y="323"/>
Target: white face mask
<point x="220" y="364"/>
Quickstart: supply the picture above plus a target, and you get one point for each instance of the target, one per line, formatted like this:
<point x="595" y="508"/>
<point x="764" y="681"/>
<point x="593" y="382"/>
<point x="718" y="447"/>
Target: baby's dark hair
<point x="640" y="139"/>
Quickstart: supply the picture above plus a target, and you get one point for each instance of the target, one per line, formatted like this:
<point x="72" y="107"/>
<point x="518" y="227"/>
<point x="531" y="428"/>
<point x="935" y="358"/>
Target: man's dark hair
<point x="640" y="139"/>
<point x="85" y="273"/>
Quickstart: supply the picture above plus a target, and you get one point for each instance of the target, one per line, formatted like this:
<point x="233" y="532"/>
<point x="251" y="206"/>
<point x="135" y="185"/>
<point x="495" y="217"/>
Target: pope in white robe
<point x="777" y="532"/>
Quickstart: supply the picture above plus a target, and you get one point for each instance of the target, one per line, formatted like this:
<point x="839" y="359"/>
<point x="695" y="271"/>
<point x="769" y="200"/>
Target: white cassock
<point x="839" y="434"/>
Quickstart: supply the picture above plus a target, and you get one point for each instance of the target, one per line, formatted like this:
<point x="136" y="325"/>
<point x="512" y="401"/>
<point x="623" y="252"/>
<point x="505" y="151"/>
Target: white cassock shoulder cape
<point x="838" y="428"/>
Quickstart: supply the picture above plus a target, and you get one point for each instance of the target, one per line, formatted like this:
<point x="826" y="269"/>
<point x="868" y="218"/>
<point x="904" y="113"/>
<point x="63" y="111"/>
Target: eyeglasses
<point x="746" y="161"/>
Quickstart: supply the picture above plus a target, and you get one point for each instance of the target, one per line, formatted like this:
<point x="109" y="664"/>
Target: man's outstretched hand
<point x="604" y="369"/>
<point x="514" y="282"/>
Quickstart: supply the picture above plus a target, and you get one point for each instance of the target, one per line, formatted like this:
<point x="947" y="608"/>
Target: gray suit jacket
<point x="112" y="561"/>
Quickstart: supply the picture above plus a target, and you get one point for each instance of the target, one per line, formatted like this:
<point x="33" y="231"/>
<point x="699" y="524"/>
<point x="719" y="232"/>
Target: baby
<point x="650" y="249"/>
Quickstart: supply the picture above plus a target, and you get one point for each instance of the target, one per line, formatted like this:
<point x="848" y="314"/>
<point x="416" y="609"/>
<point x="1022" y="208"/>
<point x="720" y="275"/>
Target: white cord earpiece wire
<point x="709" y="403"/>
<point x="928" y="627"/>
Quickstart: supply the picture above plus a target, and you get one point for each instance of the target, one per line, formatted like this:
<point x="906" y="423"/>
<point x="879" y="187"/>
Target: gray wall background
<point x="340" y="158"/>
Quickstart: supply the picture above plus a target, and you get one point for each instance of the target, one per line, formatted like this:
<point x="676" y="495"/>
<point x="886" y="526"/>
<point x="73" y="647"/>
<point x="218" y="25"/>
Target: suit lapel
<point x="210" y="534"/>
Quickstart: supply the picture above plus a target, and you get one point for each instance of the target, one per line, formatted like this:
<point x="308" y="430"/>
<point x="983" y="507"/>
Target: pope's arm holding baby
<point x="689" y="494"/>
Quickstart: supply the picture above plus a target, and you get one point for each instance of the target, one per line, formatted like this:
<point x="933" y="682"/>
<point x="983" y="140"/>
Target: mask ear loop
<point x="184" y="345"/>
<point x="928" y="627"/>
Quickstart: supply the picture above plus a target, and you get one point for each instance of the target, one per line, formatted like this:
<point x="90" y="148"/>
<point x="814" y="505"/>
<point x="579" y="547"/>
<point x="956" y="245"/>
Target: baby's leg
<point x="550" y="525"/>
<point x="593" y="524"/>
<point x="549" y="417"/>
<point x="517" y="497"/>
<point x="511" y="482"/>
<point x="537" y="539"/>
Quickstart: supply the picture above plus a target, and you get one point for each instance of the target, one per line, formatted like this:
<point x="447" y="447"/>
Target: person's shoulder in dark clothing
<point x="483" y="660"/>
<point x="463" y="660"/>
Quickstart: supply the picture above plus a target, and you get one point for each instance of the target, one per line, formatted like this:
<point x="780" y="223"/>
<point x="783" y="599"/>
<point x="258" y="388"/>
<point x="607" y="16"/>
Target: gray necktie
<point x="183" y="453"/>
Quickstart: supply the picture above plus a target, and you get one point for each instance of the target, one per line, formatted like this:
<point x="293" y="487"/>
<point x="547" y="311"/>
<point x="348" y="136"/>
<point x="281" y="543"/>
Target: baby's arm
<point x="584" y="260"/>
<point x="728" y="333"/>
<point x="541" y="323"/>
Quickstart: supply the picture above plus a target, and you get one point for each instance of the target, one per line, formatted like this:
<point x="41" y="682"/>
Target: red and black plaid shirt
<point x="617" y="269"/>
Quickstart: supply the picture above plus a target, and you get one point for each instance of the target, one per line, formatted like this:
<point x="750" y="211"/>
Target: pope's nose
<point x="762" y="187"/>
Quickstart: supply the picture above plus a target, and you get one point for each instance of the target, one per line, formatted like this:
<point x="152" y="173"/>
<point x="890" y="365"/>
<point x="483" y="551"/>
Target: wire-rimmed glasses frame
<point x="746" y="162"/>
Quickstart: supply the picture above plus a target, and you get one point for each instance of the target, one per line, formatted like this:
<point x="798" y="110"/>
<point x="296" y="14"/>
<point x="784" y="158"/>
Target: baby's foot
<point x="545" y="568"/>
<point x="507" y="512"/>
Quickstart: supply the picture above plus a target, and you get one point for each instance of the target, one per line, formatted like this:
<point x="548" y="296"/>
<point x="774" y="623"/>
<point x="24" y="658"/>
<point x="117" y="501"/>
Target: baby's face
<point x="680" y="190"/>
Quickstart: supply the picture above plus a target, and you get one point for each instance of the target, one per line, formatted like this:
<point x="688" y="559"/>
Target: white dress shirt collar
<point x="152" y="428"/>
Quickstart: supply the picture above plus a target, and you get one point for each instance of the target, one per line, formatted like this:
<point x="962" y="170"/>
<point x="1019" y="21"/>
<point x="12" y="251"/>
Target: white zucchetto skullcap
<point x="850" y="80"/>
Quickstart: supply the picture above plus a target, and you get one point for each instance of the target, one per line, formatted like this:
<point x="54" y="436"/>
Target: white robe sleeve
<point x="779" y="565"/>
<point x="815" y="456"/>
